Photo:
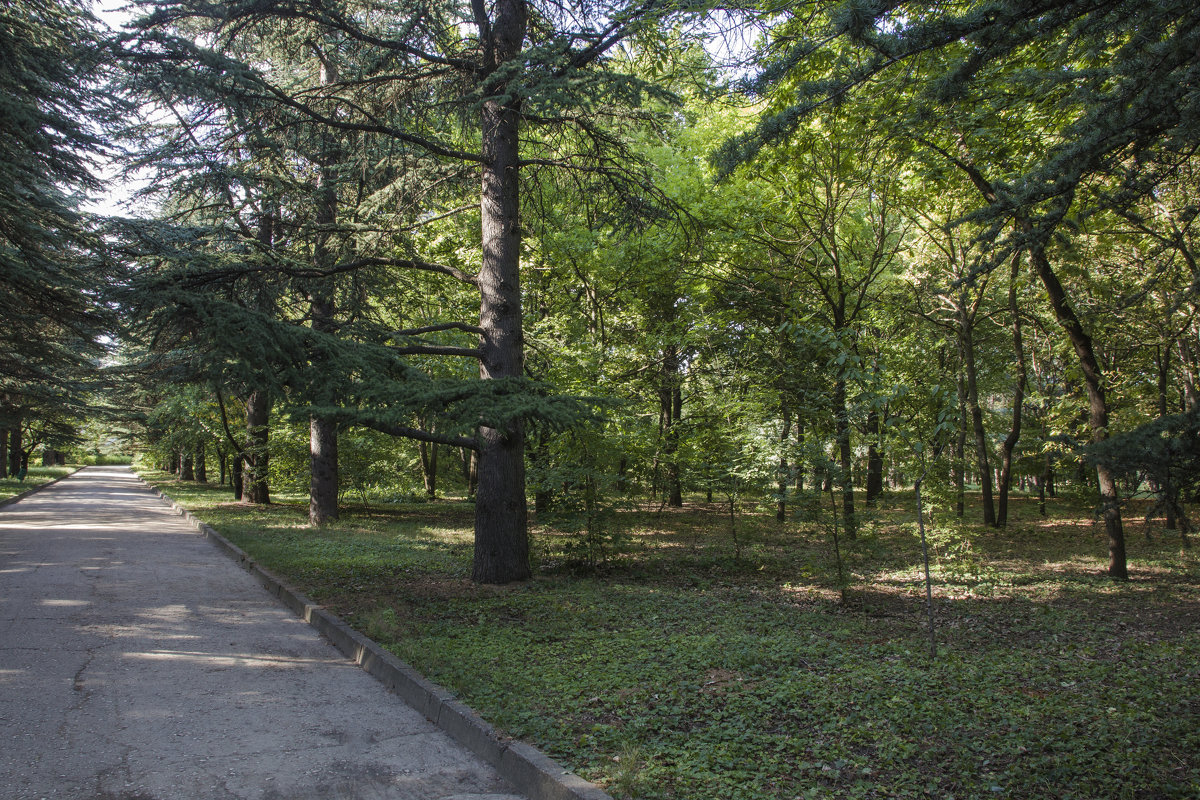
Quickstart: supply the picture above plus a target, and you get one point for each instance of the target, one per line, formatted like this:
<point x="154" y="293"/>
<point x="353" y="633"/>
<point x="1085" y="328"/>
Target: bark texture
<point x="258" y="410"/>
<point x="501" y="515"/>
<point x="323" y="438"/>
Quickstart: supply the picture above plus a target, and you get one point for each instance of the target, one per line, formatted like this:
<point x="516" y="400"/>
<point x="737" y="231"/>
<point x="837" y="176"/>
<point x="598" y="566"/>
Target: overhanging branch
<point x="444" y="326"/>
<point x="405" y="432"/>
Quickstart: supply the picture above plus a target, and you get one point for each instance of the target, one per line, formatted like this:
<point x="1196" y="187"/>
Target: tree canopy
<point x="557" y="257"/>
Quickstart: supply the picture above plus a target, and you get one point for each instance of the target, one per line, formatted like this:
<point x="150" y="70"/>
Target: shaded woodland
<point x="559" y="258"/>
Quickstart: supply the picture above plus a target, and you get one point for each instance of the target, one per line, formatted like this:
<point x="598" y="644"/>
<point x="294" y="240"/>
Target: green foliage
<point x="1164" y="452"/>
<point x="50" y="258"/>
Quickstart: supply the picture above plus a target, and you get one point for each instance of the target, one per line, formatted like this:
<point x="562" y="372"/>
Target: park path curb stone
<point x="8" y="501"/>
<point x="528" y="769"/>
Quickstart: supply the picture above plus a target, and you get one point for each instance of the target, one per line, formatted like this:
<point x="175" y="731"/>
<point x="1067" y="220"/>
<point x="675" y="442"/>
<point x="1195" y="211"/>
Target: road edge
<point x="529" y="770"/>
<point x="8" y="501"/>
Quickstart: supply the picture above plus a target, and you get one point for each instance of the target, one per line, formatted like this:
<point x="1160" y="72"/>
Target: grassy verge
<point x="37" y="476"/>
<point x="718" y="658"/>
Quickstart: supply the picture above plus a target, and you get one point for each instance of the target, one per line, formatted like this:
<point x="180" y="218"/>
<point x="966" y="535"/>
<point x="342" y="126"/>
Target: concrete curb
<point x="8" y="501"/>
<point x="529" y="770"/>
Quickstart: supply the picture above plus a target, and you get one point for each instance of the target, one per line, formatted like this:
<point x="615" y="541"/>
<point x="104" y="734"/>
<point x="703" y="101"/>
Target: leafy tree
<point x="834" y="225"/>
<point x="1110" y="86"/>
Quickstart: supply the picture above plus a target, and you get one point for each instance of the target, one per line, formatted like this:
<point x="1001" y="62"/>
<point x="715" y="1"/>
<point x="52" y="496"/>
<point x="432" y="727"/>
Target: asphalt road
<point x="137" y="662"/>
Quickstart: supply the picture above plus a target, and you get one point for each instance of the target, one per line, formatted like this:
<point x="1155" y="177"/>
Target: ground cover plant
<point x="693" y="665"/>
<point x="37" y="476"/>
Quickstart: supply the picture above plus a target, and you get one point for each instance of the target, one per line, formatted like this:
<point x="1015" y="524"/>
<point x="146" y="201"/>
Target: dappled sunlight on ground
<point x="228" y="660"/>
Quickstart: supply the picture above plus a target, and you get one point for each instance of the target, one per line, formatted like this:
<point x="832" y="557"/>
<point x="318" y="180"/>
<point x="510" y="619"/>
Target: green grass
<point x="696" y="666"/>
<point x="37" y="476"/>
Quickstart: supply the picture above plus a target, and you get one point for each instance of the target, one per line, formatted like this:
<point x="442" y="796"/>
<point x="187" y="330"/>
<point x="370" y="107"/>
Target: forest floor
<point x="687" y="654"/>
<point x="37" y="476"/>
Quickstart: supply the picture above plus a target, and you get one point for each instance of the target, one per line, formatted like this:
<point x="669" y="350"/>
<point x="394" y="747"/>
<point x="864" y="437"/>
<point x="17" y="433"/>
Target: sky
<point x="117" y="193"/>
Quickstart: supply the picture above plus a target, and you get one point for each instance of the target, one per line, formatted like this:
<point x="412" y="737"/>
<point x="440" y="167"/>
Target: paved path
<point x="137" y="662"/>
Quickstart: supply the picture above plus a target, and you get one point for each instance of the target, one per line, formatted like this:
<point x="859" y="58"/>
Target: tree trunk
<point x="429" y="453"/>
<point x="874" y="459"/>
<point x="1014" y="433"/>
<point x="470" y="471"/>
<point x="670" y="408"/>
<point x="966" y="341"/>
<point x="258" y="410"/>
<point x="781" y="507"/>
<point x="1164" y="374"/>
<point x="187" y="470"/>
<point x="675" y="482"/>
<point x="201" y="465"/>
<point x="1097" y="409"/>
<point x="960" y="452"/>
<point x="1188" y="367"/>
<point x="323" y="437"/>
<point x="3" y="452"/>
<point x="322" y="440"/>
<point x="841" y="413"/>
<point x="323" y="471"/>
<point x="501" y="515"/>
<point x="14" y="449"/>
<point x="237" y="476"/>
<point x="799" y="469"/>
<point x="1043" y="486"/>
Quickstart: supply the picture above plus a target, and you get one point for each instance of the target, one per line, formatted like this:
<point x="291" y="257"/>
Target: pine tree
<point x="50" y="111"/>
<point x="421" y="83"/>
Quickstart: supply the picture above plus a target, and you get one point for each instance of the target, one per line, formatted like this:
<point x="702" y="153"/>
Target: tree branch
<point x="405" y="432"/>
<point x="444" y="326"/>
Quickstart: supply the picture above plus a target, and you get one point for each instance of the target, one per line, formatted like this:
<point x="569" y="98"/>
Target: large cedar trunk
<point x="501" y="515"/>
<point x="258" y="410"/>
<point x="323" y="438"/>
<point x="323" y="471"/>
<point x="1014" y="433"/>
<point x="322" y="443"/>
<point x="1097" y="409"/>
